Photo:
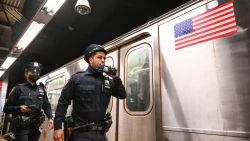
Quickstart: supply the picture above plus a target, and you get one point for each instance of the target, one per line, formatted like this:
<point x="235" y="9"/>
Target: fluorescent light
<point x="1" y="73"/>
<point x="30" y="34"/>
<point x="52" y="6"/>
<point x="6" y="64"/>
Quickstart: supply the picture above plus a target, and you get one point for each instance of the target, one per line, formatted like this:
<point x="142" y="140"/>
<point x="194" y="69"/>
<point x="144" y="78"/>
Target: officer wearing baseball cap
<point x="92" y="49"/>
<point x="33" y="66"/>
<point x="26" y="103"/>
<point x="90" y="92"/>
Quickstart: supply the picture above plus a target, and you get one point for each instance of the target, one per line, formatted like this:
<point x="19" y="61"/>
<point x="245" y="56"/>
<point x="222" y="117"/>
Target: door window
<point x="138" y="78"/>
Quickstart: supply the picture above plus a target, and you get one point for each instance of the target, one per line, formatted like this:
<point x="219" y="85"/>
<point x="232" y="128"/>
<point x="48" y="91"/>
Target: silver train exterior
<point x="192" y="90"/>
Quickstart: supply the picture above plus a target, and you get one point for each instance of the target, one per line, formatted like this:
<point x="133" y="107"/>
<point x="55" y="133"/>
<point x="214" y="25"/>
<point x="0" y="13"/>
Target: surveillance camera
<point x="82" y="7"/>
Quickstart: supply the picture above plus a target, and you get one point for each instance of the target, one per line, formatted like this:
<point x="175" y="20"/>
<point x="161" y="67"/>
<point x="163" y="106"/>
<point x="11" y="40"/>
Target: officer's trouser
<point x="88" y="136"/>
<point x="30" y="136"/>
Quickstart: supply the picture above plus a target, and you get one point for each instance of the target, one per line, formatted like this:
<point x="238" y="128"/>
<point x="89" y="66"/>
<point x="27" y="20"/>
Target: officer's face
<point x="97" y="59"/>
<point x="32" y="76"/>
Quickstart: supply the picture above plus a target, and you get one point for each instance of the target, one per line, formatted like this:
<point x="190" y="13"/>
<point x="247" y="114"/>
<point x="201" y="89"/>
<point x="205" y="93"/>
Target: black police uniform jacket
<point x="26" y="94"/>
<point x="91" y="93"/>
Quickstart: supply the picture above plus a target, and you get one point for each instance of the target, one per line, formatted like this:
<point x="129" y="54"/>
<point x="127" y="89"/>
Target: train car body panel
<point x="204" y="85"/>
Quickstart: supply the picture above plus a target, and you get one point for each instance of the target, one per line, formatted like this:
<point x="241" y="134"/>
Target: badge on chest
<point x="41" y="92"/>
<point x="106" y="84"/>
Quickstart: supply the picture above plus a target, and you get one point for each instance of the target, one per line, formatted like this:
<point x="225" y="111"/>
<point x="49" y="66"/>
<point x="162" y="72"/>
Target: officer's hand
<point x="25" y="109"/>
<point x="50" y="123"/>
<point x="58" y="135"/>
<point x="112" y="76"/>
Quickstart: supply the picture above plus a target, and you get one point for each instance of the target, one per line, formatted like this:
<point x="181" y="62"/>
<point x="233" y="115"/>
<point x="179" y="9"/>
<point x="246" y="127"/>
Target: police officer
<point x="25" y="103"/>
<point x="90" y="92"/>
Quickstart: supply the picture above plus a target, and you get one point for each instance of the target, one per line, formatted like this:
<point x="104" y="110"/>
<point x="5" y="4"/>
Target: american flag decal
<point x="212" y="24"/>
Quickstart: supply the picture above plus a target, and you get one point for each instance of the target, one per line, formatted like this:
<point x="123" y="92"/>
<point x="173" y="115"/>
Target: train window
<point x="53" y="97"/>
<point x="55" y="83"/>
<point x="54" y="88"/>
<point x="138" y="79"/>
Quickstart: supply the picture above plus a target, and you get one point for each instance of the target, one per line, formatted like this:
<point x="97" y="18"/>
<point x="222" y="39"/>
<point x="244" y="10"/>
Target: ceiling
<point x="66" y="36"/>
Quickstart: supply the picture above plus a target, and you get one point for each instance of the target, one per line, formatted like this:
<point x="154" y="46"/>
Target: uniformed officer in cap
<point x="90" y="92"/>
<point x="26" y="102"/>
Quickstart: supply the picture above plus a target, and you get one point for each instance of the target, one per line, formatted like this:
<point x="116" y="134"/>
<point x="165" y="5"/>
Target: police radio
<point x="107" y="69"/>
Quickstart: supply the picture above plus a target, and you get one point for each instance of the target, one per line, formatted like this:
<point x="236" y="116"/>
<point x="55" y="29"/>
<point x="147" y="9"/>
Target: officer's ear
<point x="91" y="58"/>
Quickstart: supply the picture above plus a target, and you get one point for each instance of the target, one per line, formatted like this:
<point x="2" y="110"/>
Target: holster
<point x="37" y="122"/>
<point x="107" y="122"/>
<point x="69" y="124"/>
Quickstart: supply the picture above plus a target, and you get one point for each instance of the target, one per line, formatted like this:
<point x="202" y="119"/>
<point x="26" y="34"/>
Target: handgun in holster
<point x="107" y="122"/>
<point x="38" y="121"/>
<point x="68" y="127"/>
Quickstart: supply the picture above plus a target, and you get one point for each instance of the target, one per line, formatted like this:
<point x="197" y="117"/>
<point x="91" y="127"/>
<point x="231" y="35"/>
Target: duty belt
<point x="24" y="121"/>
<point x="89" y="127"/>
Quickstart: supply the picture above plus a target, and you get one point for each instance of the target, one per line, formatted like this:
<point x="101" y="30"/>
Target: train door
<point x="137" y="113"/>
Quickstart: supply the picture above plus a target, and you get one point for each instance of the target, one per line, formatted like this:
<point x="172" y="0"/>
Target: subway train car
<point x="186" y="73"/>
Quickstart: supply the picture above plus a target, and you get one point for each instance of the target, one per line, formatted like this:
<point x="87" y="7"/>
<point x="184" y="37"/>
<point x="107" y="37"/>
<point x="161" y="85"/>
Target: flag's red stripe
<point x="197" y="18"/>
<point x="213" y="21"/>
<point x="219" y="36"/>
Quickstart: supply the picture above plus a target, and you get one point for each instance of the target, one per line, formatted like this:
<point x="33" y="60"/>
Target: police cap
<point x="92" y="49"/>
<point x="33" y="66"/>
